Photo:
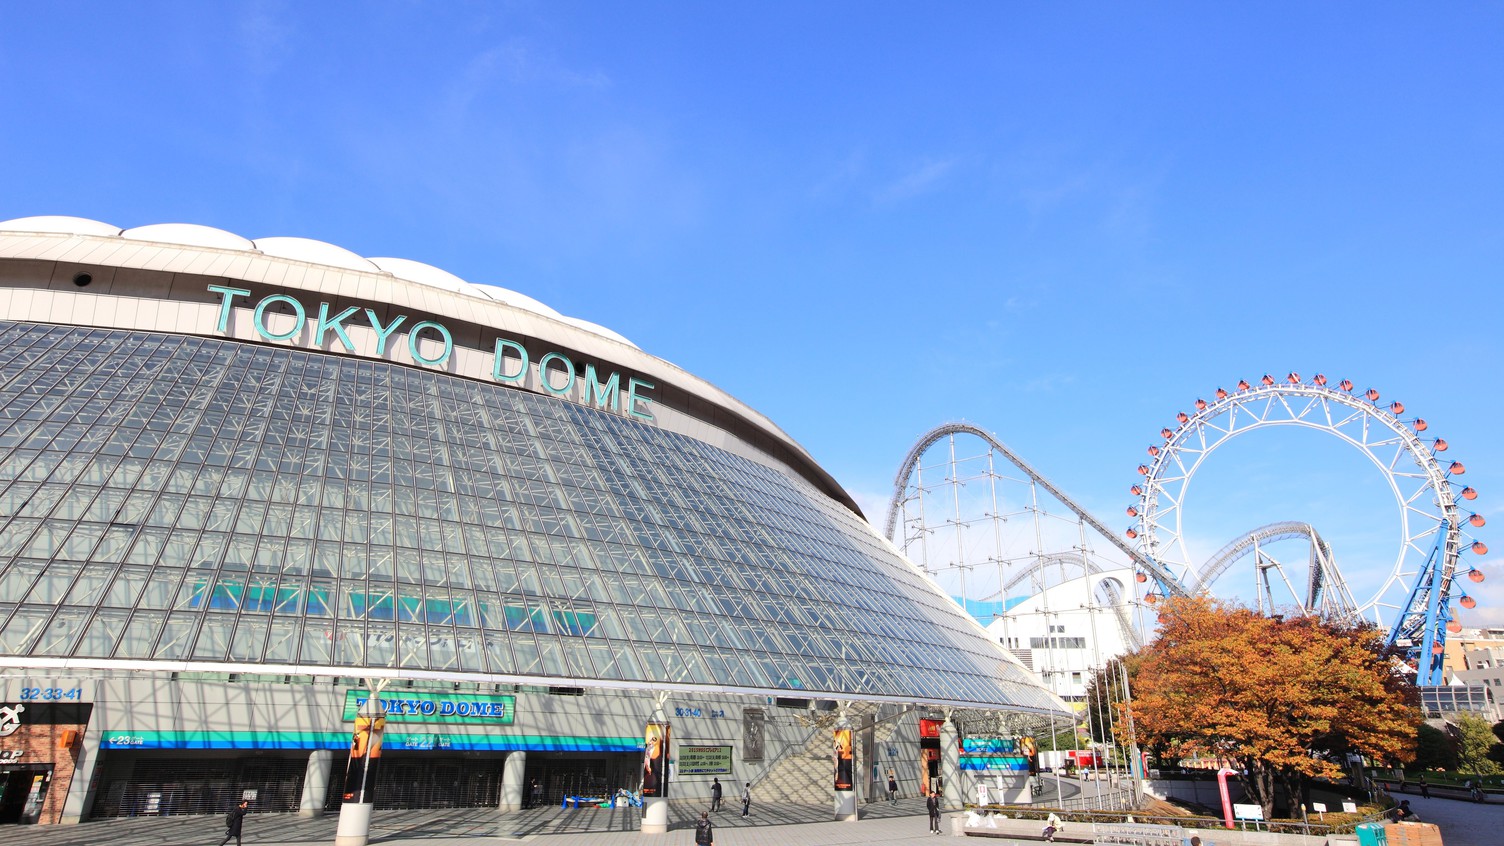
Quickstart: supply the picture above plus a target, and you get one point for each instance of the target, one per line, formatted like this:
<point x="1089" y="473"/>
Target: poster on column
<point x="365" y="754"/>
<point x="655" y="760"/>
<point x="843" y="759"/>
<point x="929" y="755"/>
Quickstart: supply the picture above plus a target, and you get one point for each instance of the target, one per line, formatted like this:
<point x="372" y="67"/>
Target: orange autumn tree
<point x="1285" y="699"/>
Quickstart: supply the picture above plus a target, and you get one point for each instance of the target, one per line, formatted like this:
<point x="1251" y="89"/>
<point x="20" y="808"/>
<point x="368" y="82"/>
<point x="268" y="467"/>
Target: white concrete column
<point x="950" y="766"/>
<point x="354" y="824"/>
<point x="654" y="815"/>
<point x="316" y="783"/>
<point x="845" y="802"/>
<point x="512" y="784"/>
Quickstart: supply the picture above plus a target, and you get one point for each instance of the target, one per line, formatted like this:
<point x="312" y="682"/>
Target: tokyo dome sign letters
<point x="554" y="372"/>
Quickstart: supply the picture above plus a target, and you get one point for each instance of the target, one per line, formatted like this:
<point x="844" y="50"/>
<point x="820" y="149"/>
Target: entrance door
<point x="22" y="794"/>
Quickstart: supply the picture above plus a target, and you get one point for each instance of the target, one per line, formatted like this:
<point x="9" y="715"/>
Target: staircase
<point x="805" y="772"/>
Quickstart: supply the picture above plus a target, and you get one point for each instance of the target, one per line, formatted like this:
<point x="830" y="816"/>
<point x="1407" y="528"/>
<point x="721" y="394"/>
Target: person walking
<point x="715" y="794"/>
<point x="704" y="831"/>
<point x="932" y="804"/>
<point x="535" y="793"/>
<point x="892" y="788"/>
<point x="234" y="821"/>
<point x="747" y="799"/>
<point x="1425" y="789"/>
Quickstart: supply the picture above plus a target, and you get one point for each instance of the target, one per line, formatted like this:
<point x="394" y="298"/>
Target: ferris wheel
<point x="1412" y="599"/>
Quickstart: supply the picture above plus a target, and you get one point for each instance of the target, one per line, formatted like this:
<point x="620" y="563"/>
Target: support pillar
<point x="316" y="783"/>
<point x="657" y="749"/>
<point x="844" y="791"/>
<point x="654" y="815"/>
<point x="951" y="794"/>
<point x="512" y="785"/>
<point x="360" y="780"/>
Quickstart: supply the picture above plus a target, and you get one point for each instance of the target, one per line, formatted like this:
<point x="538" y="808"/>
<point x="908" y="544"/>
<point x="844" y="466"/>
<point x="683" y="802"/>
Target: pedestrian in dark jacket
<point x="704" y="832"/>
<point x="715" y="794"/>
<point x="233" y="821"/>
<point x="932" y="804"/>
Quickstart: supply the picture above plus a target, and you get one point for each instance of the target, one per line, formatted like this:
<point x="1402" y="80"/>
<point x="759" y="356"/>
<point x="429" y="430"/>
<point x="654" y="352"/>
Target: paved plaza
<point x="1462" y="824"/>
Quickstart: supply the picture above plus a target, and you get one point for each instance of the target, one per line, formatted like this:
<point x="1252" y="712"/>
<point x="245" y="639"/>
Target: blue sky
<point x="1061" y="222"/>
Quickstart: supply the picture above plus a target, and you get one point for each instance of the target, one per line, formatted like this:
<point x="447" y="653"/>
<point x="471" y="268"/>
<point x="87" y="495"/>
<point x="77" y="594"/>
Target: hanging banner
<point x="1030" y="750"/>
<point x="843" y="759"/>
<point x="365" y="754"/>
<point x="655" y="760"/>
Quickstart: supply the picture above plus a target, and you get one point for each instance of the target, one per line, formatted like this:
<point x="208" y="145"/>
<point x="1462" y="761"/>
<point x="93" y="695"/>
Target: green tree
<point x="1285" y="699"/>
<point x="1475" y="740"/>
<point x="1496" y="752"/>
<point x="1434" y="749"/>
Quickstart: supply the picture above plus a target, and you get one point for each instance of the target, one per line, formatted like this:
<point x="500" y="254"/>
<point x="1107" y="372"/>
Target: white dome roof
<point x="423" y="274"/>
<point x="61" y="224"/>
<point x="516" y="300"/>
<point x="596" y="328"/>
<point x="314" y="252"/>
<point x="189" y="234"/>
<point x="304" y="250"/>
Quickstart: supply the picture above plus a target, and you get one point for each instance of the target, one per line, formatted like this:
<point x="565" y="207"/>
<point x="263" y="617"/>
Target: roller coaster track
<point x="1167" y="580"/>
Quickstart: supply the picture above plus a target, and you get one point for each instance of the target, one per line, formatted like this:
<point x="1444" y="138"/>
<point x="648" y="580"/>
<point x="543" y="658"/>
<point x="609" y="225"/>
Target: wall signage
<point x="704" y="760"/>
<point x="10" y="719"/>
<point x="415" y="707"/>
<point x="511" y="364"/>
<point x="713" y="713"/>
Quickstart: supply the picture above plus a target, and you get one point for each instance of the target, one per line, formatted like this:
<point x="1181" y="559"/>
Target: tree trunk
<point x="1260" y="783"/>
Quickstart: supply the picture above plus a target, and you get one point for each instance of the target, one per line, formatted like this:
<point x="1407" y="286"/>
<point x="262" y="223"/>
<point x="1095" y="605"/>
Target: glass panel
<point x="140" y="635"/>
<point x="22" y="630"/>
<point x="282" y="642"/>
<point x="100" y="637"/>
<point x="90" y="585"/>
<point x="177" y="636"/>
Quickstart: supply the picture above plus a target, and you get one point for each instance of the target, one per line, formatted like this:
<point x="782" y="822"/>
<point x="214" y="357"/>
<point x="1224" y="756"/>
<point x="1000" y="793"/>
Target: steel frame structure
<point x="911" y="463"/>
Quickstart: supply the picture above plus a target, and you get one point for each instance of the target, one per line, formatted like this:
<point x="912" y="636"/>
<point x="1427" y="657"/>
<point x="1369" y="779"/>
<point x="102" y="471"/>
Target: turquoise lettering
<point x="325" y="324"/>
<point x="502" y="345"/>
<point x="601" y="396"/>
<point x="543" y="373"/>
<point x="226" y="296"/>
<point x="633" y="384"/>
<point x="412" y="343"/>
<point x="259" y="317"/>
<point x="383" y="332"/>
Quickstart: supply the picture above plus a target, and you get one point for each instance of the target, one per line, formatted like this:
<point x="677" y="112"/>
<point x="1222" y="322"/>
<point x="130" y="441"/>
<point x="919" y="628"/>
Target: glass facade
<point x="201" y="500"/>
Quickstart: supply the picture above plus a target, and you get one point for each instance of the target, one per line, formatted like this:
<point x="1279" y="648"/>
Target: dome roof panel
<point x="61" y="224"/>
<point x="597" y="329"/>
<point x="516" y="300"/>
<point x="423" y="274"/>
<point x="313" y="252"/>
<point x="189" y="234"/>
